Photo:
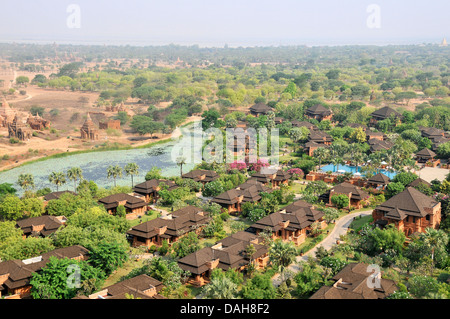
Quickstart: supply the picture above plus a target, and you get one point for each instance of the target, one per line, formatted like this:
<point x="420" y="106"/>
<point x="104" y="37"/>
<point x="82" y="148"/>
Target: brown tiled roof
<point x="20" y="271"/>
<point x="201" y="175"/>
<point x="181" y="221"/>
<point x="261" y="108"/>
<point x="229" y="197"/>
<point x="114" y="200"/>
<point x="379" y="178"/>
<point x="56" y="195"/>
<point x="385" y="112"/>
<point x="419" y="181"/>
<point x="351" y="283"/>
<point x="150" y="186"/>
<point x="299" y="216"/>
<point x="377" y="145"/>
<point x="318" y="109"/>
<point x="345" y="188"/>
<point x="51" y="224"/>
<point x="426" y="153"/>
<point x="411" y="202"/>
<point x="231" y="252"/>
<point x="306" y="124"/>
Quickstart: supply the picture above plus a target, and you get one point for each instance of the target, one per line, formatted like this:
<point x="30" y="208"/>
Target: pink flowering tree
<point x="296" y="173"/>
<point x="260" y="163"/>
<point x="239" y="165"/>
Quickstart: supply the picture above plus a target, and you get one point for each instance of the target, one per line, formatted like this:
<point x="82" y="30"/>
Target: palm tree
<point x="131" y="169"/>
<point x="180" y="162"/>
<point x="281" y="255"/>
<point x="74" y="174"/>
<point x="57" y="178"/>
<point x="220" y="288"/>
<point x="321" y="154"/>
<point x="114" y="172"/>
<point x="358" y="158"/>
<point x="26" y="181"/>
<point x="435" y="239"/>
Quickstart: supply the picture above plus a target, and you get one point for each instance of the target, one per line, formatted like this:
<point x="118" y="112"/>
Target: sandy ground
<point x="430" y="173"/>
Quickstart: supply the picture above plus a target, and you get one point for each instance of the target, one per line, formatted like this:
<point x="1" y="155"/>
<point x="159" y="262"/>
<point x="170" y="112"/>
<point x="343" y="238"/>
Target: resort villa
<point x="410" y="211"/>
<point x="292" y="224"/>
<point x="230" y="252"/>
<point x="149" y="189"/>
<point x="134" y="206"/>
<point x="351" y="283"/>
<point x="170" y="228"/>
<point x="15" y="274"/>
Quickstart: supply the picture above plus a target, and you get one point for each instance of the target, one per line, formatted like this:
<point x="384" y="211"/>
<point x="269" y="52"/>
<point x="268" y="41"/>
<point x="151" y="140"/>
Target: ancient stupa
<point x="444" y="42"/>
<point x="89" y="131"/>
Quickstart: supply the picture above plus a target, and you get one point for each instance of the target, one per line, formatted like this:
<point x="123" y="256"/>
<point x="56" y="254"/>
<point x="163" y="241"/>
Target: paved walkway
<point x="339" y="229"/>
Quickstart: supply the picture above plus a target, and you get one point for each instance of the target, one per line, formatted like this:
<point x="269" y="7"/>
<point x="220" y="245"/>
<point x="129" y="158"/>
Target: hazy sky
<point x="235" y="22"/>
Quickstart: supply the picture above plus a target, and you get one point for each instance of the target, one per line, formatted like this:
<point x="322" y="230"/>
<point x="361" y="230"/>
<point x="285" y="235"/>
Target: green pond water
<point x="95" y="164"/>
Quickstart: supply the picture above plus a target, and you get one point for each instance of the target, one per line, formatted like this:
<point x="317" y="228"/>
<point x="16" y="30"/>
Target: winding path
<point x="339" y="229"/>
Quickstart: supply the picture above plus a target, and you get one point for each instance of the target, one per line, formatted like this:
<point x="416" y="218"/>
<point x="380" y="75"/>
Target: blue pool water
<point x="352" y="169"/>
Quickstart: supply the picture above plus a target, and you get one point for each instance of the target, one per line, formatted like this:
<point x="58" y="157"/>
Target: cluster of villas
<point x="409" y="211"/>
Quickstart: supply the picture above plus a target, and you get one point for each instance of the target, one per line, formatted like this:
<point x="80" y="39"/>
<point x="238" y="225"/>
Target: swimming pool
<point x="352" y="169"/>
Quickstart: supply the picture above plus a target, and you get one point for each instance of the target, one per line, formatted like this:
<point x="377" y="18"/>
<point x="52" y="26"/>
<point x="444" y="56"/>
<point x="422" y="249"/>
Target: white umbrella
<point x="357" y="173"/>
<point x="383" y="163"/>
<point x="341" y="171"/>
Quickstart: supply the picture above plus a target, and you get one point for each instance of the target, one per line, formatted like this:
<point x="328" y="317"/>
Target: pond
<point x="352" y="169"/>
<point x="95" y="164"/>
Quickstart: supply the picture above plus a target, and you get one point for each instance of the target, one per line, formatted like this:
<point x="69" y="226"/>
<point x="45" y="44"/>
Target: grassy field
<point x="358" y="223"/>
<point x="152" y="215"/>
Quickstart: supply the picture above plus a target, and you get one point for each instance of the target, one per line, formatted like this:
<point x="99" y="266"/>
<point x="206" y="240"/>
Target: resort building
<point x="271" y="177"/>
<point x="292" y="224"/>
<point x="320" y="137"/>
<point x="169" y="228"/>
<point x="378" y="181"/>
<point x="383" y="114"/>
<point x="306" y="124"/>
<point x="427" y="156"/>
<point x="230" y="252"/>
<point x="15" y="275"/>
<point x="355" y="194"/>
<point x="57" y="195"/>
<point x="41" y="226"/>
<point x="418" y="182"/>
<point x="139" y="287"/>
<point x="375" y="135"/>
<point x="410" y="211"/>
<point x="134" y="206"/>
<point x="318" y="112"/>
<point x="379" y="145"/>
<point x="260" y="109"/>
<point x="351" y="283"/>
<point x="149" y="189"/>
<point x="201" y="175"/>
<point x="230" y="200"/>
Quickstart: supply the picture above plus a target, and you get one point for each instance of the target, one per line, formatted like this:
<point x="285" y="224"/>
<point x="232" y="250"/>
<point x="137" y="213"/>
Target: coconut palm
<point x="74" y="174"/>
<point x="26" y="181"/>
<point x="321" y="154"/>
<point x="114" y="172"/>
<point x="131" y="169"/>
<point x="180" y="162"/>
<point x="57" y="178"/>
<point x="435" y="239"/>
<point x="281" y="255"/>
<point x="359" y="158"/>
